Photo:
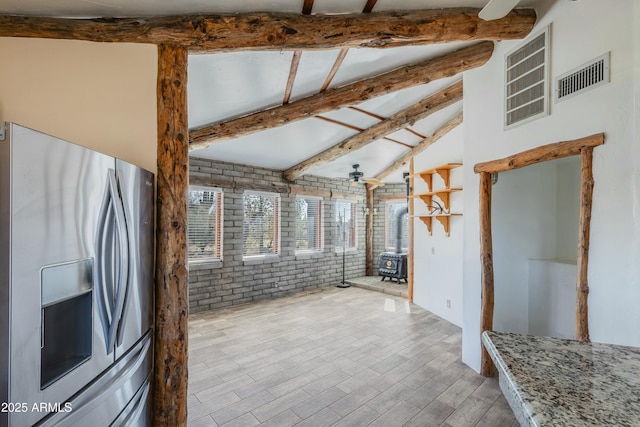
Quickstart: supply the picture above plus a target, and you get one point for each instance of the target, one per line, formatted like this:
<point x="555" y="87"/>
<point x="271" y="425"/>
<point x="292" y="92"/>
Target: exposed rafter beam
<point x="369" y="6"/>
<point x="343" y="52"/>
<point x="354" y="93"/>
<point x="422" y="145"/>
<point x="334" y="69"/>
<point x="418" y="111"/>
<point x="273" y="31"/>
<point x="307" y="7"/>
<point x="368" y="113"/>
<point x="419" y="135"/>
<point x="295" y="61"/>
<point x="359" y="129"/>
<point x="379" y="117"/>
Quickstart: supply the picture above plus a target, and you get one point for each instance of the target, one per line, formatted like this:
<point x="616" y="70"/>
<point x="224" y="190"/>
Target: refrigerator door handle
<point x="123" y="265"/>
<point x="112" y="302"/>
<point x="127" y="284"/>
<point x="103" y="276"/>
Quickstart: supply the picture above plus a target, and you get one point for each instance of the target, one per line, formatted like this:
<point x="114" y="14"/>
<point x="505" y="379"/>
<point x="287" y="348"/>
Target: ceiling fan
<point x="497" y="9"/>
<point x="356" y="177"/>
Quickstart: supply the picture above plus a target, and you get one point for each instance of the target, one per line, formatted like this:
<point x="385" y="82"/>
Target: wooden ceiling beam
<point x="421" y="146"/>
<point x="397" y="121"/>
<point x="436" y="68"/>
<point x="280" y="31"/>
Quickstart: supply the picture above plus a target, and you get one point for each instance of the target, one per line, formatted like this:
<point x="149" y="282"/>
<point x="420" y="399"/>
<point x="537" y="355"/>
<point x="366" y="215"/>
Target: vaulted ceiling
<point x="376" y="126"/>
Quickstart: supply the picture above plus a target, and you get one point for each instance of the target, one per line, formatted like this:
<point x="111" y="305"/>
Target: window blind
<point x="308" y="224"/>
<point x="261" y="224"/>
<point x="204" y="212"/>
<point x="346" y="225"/>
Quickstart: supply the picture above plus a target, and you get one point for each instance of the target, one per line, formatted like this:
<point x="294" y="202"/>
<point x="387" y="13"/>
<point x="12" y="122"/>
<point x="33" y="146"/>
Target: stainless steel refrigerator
<point x="76" y="285"/>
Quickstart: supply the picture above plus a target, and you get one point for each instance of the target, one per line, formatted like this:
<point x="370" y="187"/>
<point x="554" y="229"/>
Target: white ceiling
<point x="132" y="8"/>
<point x="227" y="85"/>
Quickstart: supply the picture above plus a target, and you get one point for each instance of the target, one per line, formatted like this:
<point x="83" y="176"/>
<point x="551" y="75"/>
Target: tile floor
<point x="337" y="357"/>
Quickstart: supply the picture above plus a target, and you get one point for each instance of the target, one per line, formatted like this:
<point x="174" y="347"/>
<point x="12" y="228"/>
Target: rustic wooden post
<point x="411" y="229"/>
<point x="582" y="288"/>
<point x="486" y="257"/>
<point x="369" y="231"/>
<point x="170" y="377"/>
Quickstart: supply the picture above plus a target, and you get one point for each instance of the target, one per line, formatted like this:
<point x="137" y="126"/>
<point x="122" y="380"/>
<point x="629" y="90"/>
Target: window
<point x="204" y="213"/>
<point x="261" y="224"/>
<point x="308" y="224"/>
<point x="392" y="210"/>
<point x="346" y="225"/>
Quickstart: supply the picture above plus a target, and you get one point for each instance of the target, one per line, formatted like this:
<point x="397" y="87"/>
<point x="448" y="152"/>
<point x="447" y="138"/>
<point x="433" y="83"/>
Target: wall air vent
<point x="527" y="83"/>
<point x="587" y="76"/>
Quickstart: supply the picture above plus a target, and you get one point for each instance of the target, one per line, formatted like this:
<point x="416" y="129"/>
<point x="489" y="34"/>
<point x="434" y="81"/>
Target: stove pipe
<point x="399" y="217"/>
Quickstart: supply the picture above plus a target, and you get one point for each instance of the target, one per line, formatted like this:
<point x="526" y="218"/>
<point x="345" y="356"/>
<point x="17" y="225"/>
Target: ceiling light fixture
<point x="355" y="175"/>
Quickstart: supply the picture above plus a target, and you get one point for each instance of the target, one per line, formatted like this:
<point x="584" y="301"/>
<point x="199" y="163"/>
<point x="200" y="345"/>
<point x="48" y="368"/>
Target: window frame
<point x="391" y="246"/>
<point x="219" y="231"/>
<point x="353" y="237"/>
<point x="277" y="225"/>
<point x="319" y="223"/>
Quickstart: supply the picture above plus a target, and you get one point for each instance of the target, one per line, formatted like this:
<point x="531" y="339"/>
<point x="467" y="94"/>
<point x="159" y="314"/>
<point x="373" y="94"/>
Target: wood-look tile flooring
<point x="338" y="357"/>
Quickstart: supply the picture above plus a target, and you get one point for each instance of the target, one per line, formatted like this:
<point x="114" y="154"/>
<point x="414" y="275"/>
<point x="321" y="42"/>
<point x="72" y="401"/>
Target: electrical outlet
<point x="448" y="303"/>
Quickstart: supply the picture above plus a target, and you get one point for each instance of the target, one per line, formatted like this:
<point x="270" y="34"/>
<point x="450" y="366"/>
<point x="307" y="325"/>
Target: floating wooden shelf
<point x="442" y="170"/>
<point x="442" y="219"/>
<point x="443" y="194"/>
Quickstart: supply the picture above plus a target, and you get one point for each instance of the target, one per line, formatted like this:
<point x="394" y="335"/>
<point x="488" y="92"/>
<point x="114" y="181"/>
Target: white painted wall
<point x="581" y="31"/>
<point x="567" y="208"/>
<point x="100" y="95"/>
<point x="524" y="226"/>
<point x="437" y="258"/>
<point x="535" y="214"/>
<point x="552" y="298"/>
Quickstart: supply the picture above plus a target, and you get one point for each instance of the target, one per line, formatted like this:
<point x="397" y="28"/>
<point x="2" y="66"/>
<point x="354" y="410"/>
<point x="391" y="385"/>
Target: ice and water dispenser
<point x="66" y="329"/>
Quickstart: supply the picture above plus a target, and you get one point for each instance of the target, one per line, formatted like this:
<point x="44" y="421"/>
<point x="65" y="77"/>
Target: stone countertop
<point x="558" y="382"/>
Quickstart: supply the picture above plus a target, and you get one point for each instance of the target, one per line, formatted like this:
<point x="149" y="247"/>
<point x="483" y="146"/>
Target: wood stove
<point x="393" y="265"/>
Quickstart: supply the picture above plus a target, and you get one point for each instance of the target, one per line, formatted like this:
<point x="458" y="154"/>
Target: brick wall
<point x="380" y="197"/>
<point x="236" y="281"/>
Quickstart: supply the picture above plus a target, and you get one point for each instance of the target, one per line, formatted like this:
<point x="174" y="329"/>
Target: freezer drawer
<point x="118" y="397"/>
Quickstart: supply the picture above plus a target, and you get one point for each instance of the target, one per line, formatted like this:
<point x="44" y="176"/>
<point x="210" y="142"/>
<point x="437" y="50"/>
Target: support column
<point x="582" y="289"/>
<point x="369" y="231"/>
<point x="410" y="231"/>
<point x="170" y="376"/>
<point x="486" y="258"/>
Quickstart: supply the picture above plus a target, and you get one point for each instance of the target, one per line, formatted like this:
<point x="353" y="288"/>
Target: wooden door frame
<point x="583" y="147"/>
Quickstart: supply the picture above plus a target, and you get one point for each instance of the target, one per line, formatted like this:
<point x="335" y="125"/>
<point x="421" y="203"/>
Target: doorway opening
<point x="535" y="234"/>
<point x="488" y="170"/>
